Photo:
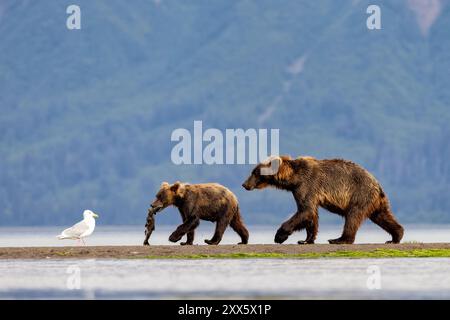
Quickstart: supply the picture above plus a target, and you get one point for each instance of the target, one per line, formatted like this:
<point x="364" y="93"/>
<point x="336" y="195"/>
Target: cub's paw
<point x="305" y="242"/>
<point x="210" y="242"/>
<point x="174" y="237"/>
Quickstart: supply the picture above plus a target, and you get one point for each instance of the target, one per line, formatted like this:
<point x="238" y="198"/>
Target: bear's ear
<point x="164" y="185"/>
<point x="178" y="189"/>
<point x="284" y="170"/>
<point x="271" y="165"/>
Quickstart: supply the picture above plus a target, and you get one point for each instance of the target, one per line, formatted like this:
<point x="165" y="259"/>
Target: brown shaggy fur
<point x="149" y="225"/>
<point x="339" y="186"/>
<point x="209" y="201"/>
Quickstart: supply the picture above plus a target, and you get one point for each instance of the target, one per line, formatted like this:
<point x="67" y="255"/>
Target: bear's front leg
<point x="286" y="229"/>
<point x="189" y="225"/>
<point x="297" y="222"/>
<point x="312" y="228"/>
<point x="176" y="236"/>
<point x="190" y="239"/>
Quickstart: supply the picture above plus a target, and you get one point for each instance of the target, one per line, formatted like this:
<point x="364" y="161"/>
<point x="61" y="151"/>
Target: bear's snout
<point x="247" y="186"/>
<point x="157" y="204"/>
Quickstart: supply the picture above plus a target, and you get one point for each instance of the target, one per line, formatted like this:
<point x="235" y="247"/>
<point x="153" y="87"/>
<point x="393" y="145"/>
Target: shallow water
<point x="254" y="278"/>
<point x="134" y="235"/>
<point x="414" y="278"/>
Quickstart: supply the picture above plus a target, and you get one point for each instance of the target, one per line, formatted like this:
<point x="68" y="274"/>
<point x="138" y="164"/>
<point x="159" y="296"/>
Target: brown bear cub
<point x="339" y="186"/>
<point x="209" y="201"/>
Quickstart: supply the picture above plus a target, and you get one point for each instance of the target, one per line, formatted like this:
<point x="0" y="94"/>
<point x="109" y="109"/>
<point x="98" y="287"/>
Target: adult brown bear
<point x="339" y="186"/>
<point x="208" y="201"/>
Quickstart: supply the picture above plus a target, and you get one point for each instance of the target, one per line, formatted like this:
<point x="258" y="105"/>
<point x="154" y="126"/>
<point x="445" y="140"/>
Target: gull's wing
<point x="76" y="231"/>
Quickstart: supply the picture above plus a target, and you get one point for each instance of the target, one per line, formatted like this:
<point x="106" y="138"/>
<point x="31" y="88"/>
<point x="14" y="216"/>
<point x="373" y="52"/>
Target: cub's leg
<point x="190" y="224"/>
<point x="221" y="225"/>
<point x="190" y="234"/>
<point x="238" y="226"/>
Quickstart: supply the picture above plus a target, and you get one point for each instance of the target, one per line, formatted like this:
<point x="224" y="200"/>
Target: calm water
<point x="260" y="278"/>
<point x="134" y="235"/>
<point x="257" y="278"/>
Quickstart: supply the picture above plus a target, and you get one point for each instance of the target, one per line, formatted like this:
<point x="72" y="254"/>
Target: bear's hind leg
<point x="238" y="226"/>
<point x="386" y="220"/>
<point x="221" y="225"/>
<point x="353" y="221"/>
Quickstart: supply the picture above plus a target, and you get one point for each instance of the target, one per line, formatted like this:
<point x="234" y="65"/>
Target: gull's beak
<point x="95" y="215"/>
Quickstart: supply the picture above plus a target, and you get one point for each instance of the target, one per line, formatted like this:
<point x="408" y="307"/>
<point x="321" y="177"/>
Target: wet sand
<point x="127" y="252"/>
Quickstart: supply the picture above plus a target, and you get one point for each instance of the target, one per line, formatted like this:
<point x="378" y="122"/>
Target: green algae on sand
<point x="377" y="253"/>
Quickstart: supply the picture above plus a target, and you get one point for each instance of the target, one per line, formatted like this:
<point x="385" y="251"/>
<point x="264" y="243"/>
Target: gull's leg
<point x="84" y="243"/>
<point x="78" y="242"/>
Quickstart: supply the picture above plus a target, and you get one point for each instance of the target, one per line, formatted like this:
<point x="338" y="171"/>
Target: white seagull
<point x="82" y="229"/>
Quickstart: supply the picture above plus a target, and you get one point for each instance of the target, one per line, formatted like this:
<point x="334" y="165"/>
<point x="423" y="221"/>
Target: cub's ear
<point x="164" y="185"/>
<point x="175" y="186"/>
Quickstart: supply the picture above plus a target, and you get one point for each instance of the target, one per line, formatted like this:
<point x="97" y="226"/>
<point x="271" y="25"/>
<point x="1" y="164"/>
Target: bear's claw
<point x="339" y="241"/>
<point x="174" y="238"/>
<point x="305" y="242"/>
<point x="210" y="242"/>
<point x="392" y="242"/>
